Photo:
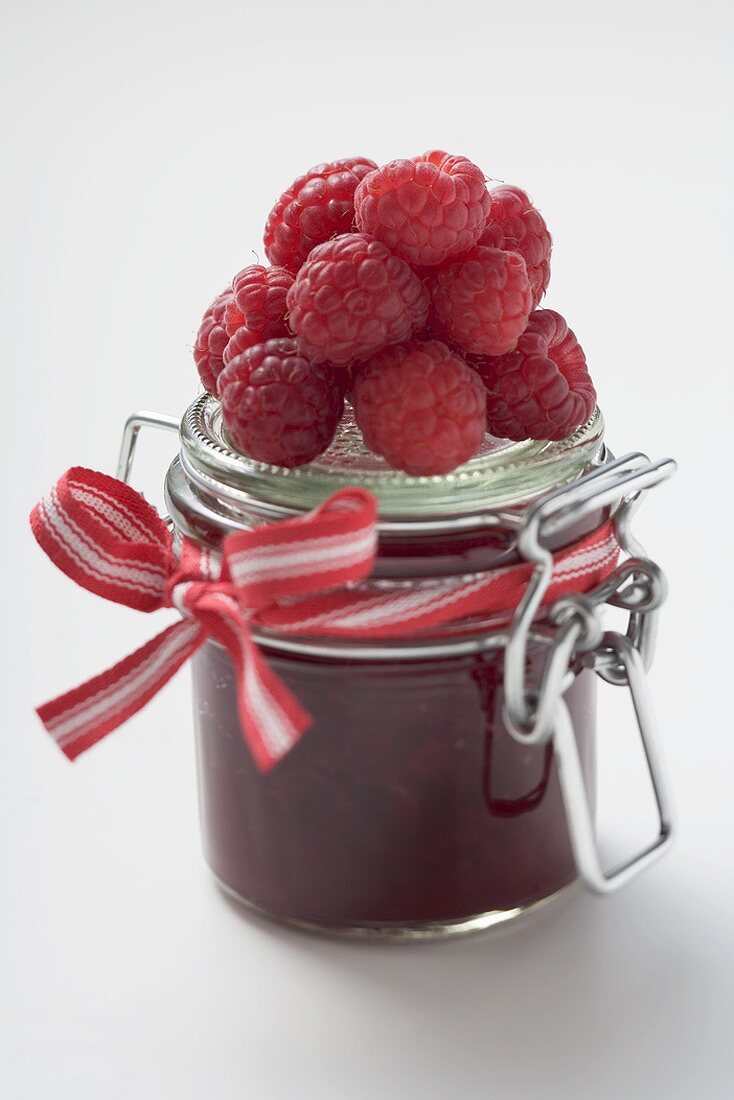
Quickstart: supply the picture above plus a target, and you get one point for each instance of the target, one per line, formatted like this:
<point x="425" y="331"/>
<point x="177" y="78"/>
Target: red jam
<point x="407" y="801"/>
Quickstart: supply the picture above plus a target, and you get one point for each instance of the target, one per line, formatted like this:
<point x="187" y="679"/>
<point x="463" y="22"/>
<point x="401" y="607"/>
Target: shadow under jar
<point x="407" y="809"/>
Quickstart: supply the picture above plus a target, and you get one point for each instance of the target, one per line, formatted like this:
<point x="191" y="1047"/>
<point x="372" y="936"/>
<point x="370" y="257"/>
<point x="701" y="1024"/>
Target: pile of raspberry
<point x="411" y="291"/>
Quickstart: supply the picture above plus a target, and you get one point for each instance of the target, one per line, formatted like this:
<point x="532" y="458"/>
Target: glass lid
<point x="501" y="475"/>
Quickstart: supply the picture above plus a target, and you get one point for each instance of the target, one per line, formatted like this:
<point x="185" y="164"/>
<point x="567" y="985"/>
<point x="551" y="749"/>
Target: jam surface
<point x="405" y="802"/>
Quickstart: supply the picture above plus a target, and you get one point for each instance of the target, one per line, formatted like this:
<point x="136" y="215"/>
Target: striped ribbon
<point x="304" y="576"/>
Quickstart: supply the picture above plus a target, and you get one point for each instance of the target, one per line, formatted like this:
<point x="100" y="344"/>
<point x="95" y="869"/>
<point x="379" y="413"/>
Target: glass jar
<point x="407" y="809"/>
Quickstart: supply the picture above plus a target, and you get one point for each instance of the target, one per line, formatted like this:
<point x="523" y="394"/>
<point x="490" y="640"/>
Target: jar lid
<point x="503" y="475"/>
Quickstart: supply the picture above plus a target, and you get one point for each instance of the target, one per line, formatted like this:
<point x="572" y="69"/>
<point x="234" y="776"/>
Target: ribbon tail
<point x="271" y="717"/>
<point x="83" y="716"/>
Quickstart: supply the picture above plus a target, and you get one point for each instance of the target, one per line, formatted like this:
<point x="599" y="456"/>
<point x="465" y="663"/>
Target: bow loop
<point x="328" y="548"/>
<point x="106" y="538"/>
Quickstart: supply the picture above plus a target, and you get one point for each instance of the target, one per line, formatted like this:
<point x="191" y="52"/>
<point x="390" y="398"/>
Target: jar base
<point x="409" y="932"/>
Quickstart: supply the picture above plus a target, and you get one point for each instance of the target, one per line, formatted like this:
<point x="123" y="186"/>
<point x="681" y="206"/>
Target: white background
<point x="144" y="143"/>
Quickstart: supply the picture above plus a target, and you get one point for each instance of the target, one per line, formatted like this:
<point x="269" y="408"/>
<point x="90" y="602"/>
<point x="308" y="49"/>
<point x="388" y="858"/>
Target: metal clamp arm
<point x="133" y="424"/>
<point x="578" y="814"/>
<point x="638" y="586"/>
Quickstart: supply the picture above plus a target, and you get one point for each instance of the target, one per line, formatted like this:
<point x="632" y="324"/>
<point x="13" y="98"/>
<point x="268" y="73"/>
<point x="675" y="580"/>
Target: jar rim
<point x="503" y="475"/>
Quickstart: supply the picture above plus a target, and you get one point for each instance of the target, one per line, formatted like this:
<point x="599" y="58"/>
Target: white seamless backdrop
<point x="144" y="143"/>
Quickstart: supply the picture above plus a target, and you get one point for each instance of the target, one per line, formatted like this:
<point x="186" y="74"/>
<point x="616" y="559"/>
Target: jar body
<point x="406" y="805"/>
<point x="406" y="808"/>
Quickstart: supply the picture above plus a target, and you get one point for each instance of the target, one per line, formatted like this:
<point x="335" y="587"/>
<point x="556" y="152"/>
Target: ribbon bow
<point x="293" y="577"/>
<point x="107" y="538"/>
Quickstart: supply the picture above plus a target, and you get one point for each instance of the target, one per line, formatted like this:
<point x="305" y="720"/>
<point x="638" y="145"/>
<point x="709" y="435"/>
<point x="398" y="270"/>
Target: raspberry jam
<point x="407" y="808"/>
<point x="406" y="802"/>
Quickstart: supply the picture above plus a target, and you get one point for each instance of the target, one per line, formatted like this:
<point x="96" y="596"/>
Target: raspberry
<point x="543" y="389"/>
<point x="482" y="303"/>
<point x="514" y="225"/>
<point x="211" y="340"/>
<point x="240" y="341"/>
<point x="258" y="302"/>
<point x="426" y="209"/>
<point x="351" y="298"/>
<point x="278" y="407"/>
<point x="421" y="407"/>
<point x="318" y="206"/>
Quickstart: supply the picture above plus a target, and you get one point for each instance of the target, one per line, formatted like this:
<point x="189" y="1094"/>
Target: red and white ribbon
<point x="299" y="576"/>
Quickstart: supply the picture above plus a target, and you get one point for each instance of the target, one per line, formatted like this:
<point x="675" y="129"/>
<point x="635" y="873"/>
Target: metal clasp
<point x="576" y="633"/>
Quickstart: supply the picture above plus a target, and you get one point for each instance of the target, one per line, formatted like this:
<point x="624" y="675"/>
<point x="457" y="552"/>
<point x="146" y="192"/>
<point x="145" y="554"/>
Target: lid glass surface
<point x="503" y="474"/>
